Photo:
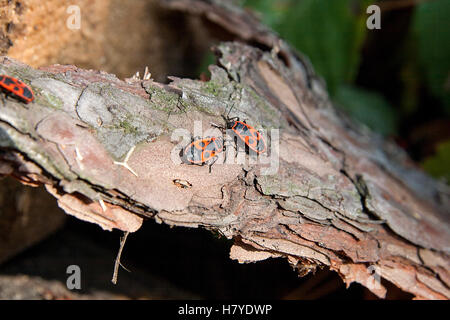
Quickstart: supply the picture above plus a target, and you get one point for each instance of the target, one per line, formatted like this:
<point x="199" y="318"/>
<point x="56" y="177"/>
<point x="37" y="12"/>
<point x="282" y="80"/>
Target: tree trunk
<point x="328" y="193"/>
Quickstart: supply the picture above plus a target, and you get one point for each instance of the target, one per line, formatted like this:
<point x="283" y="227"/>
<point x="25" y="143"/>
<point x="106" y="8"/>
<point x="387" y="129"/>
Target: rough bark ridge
<point x="342" y="197"/>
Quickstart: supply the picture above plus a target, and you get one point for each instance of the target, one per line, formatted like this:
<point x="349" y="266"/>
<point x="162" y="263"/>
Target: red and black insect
<point x="202" y="151"/>
<point x="252" y="138"/>
<point x="16" y="88"/>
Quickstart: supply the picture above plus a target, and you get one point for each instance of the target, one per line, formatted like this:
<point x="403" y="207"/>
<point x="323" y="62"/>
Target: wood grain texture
<point x="341" y="196"/>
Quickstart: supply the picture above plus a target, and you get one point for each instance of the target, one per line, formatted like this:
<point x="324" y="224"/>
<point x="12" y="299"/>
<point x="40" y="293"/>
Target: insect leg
<point x="210" y="164"/>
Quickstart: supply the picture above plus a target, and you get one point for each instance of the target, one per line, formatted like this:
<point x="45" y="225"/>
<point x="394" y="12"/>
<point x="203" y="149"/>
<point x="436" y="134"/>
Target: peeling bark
<point x="342" y="197"/>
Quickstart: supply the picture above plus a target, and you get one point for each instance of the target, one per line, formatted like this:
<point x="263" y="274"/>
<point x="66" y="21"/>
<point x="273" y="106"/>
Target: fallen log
<point x="328" y="193"/>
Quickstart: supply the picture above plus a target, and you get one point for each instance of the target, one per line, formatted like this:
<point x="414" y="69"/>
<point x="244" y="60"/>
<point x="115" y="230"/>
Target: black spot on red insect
<point x="16" y="88"/>
<point x="9" y="81"/>
<point x="27" y="93"/>
<point x="252" y="138"/>
<point x="201" y="151"/>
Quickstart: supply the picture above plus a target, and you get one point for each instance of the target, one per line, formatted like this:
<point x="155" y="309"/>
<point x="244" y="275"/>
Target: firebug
<point x="252" y="138"/>
<point x="16" y="88"/>
<point x="202" y="151"/>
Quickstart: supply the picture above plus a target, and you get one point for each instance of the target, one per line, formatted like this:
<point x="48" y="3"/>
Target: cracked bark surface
<point x="342" y="197"/>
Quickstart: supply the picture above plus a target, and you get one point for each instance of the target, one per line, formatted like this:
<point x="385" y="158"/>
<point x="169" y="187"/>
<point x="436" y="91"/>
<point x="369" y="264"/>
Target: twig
<point x="125" y="162"/>
<point x="117" y="263"/>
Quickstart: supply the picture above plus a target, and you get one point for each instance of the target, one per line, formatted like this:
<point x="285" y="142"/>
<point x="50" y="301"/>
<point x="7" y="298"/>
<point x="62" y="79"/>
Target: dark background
<point x="176" y="263"/>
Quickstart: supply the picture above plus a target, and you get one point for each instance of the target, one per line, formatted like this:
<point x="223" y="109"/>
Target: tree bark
<point x="341" y="197"/>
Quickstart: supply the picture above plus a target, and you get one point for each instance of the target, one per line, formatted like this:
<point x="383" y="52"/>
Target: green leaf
<point x="272" y="11"/>
<point x="207" y="60"/>
<point x="330" y="33"/>
<point x="367" y="107"/>
<point x="438" y="165"/>
<point x="431" y="25"/>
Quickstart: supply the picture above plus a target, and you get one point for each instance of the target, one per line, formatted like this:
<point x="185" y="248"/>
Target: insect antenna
<point x="229" y="111"/>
